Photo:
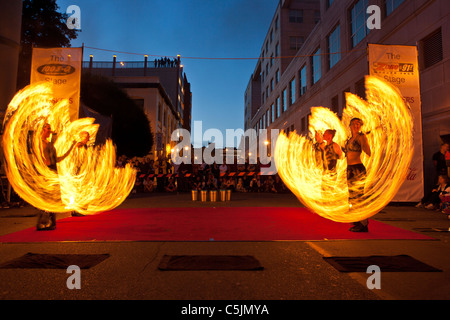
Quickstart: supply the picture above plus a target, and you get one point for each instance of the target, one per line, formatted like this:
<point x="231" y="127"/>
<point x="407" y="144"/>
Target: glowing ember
<point x="87" y="180"/>
<point x="389" y="129"/>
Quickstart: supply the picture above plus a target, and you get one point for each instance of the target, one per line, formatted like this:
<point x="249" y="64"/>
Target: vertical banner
<point x="62" y="68"/>
<point x="399" y="66"/>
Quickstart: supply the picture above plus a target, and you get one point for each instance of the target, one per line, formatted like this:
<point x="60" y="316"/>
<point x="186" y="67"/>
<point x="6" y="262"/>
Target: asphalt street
<point x="293" y="270"/>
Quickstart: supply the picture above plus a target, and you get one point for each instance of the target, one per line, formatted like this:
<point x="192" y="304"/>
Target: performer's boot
<point x="362" y="226"/>
<point x="76" y="214"/>
<point x="43" y="221"/>
<point x="46" y="221"/>
<point x="53" y="220"/>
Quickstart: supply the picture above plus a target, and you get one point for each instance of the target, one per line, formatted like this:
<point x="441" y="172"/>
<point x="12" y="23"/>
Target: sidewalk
<point x="293" y="270"/>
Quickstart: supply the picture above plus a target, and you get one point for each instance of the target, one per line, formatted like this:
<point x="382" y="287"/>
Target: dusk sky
<point x="191" y="28"/>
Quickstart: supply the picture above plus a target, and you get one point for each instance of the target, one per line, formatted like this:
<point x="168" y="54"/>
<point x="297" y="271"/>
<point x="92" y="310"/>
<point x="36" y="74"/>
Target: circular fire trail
<point x="87" y="180"/>
<point x="388" y="126"/>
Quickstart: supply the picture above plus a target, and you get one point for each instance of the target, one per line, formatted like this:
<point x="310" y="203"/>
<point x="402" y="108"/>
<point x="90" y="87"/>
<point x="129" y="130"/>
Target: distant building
<point x="159" y="87"/>
<point x="316" y="78"/>
<point x="290" y="27"/>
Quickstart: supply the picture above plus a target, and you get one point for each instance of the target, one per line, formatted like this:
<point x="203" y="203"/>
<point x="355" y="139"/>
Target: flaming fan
<point x="389" y="129"/>
<point x="87" y="180"/>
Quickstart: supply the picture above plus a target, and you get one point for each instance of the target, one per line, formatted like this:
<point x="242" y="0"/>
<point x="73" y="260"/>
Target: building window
<point x="303" y="124"/>
<point x="267" y="69"/>
<point x="316" y="66"/>
<point x="432" y="49"/>
<point x="272" y="109"/>
<point x="267" y="92"/>
<point x="271" y="85"/>
<point x="277" y="50"/>
<point x="329" y="2"/>
<point x="159" y="112"/>
<point x="268" y="117"/>
<point x="271" y="60"/>
<point x="263" y="97"/>
<point x="283" y="100"/>
<point x="277" y="77"/>
<point x="276" y="23"/>
<point x="335" y="104"/>
<point x="303" y="80"/>
<point x="316" y="16"/>
<point x="391" y="5"/>
<point x="344" y="99"/>
<point x="334" y="46"/>
<point x="358" y="16"/>
<point x="277" y="107"/>
<point x="292" y="92"/>
<point x="296" y="16"/>
<point x="295" y="43"/>
<point x="360" y="89"/>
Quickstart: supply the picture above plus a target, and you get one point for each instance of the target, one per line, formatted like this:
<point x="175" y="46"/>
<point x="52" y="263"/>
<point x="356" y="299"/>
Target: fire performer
<point x="331" y="150"/>
<point x="47" y="220"/>
<point x="356" y="171"/>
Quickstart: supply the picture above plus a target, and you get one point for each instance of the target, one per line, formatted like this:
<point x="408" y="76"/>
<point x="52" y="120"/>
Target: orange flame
<point x="87" y="180"/>
<point x="390" y="124"/>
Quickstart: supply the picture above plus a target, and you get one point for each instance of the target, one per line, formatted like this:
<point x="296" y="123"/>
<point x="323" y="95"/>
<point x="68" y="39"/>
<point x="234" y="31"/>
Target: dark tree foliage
<point x="131" y="130"/>
<point x="42" y="26"/>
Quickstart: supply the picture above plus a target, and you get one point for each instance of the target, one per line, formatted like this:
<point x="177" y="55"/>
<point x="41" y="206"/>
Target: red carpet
<point x="206" y="224"/>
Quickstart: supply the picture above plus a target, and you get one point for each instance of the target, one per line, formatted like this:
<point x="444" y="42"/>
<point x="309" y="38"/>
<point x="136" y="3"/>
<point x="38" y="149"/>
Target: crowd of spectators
<point x="439" y="197"/>
<point x="162" y="176"/>
<point x="166" y="63"/>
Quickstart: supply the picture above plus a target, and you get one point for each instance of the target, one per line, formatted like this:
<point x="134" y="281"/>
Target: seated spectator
<point x="148" y="185"/>
<point x="222" y="184"/>
<point x="211" y="183"/>
<point x="183" y="181"/>
<point x="270" y="184"/>
<point x="137" y="186"/>
<point x="255" y="184"/>
<point x="445" y="204"/>
<point x="240" y="186"/>
<point x="278" y="185"/>
<point x="196" y="183"/>
<point x="215" y="170"/>
<point x="171" y="187"/>
<point x="433" y="200"/>
<point x="231" y="184"/>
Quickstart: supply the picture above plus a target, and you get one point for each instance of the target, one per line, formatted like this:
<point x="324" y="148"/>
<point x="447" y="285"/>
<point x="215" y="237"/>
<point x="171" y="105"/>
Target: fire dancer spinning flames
<point x="86" y="180"/>
<point x="389" y="130"/>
